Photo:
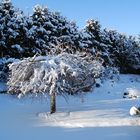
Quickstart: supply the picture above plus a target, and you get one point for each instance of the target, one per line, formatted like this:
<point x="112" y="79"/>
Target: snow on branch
<point x="64" y="73"/>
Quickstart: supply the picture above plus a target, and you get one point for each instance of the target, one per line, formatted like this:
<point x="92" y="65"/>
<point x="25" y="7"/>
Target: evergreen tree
<point x="37" y="34"/>
<point x="46" y="32"/>
<point x="123" y="50"/>
<point x="94" y="39"/>
<point x="66" y="33"/>
<point x="12" y="30"/>
<point x="94" y="28"/>
<point x="50" y="30"/>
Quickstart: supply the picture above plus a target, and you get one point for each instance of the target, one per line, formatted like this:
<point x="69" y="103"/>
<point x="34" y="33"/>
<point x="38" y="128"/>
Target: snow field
<point x="102" y="114"/>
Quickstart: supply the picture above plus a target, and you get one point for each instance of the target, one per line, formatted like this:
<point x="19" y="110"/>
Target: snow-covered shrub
<point x="64" y="73"/>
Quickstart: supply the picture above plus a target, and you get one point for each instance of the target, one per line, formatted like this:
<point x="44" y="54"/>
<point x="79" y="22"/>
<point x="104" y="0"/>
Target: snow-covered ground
<point x="102" y="114"/>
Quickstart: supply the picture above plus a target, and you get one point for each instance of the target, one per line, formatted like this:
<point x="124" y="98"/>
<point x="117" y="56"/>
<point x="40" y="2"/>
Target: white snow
<point x="134" y="111"/>
<point x="102" y="114"/>
<point x="132" y="93"/>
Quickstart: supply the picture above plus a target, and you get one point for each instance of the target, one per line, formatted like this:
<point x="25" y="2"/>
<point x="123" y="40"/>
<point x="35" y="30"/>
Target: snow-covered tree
<point x="132" y="57"/>
<point x="94" y="28"/>
<point x="123" y="50"/>
<point x="37" y="34"/>
<point x="60" y="74"/>
<point x="92" y="38"/>
<point x="46" y="32"/>
<point x="118" y="50"/>
<point x="50" y="30"/>
<point x="12" y="28"/>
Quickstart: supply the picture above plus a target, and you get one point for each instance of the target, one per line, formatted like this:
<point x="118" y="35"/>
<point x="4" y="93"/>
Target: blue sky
<point x="121" y="15"/>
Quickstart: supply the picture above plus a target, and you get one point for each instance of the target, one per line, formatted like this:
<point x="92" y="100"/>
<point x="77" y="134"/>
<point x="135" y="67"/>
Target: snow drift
<point x="134" y="111"/>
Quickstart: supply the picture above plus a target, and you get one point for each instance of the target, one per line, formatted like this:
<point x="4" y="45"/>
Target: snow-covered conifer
<point x="12" y="29"/>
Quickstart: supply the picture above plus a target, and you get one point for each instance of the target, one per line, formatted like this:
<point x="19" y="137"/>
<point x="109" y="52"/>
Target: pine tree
<point x="94" y="28"/>
<point x="50" y="30"/>
<point x="37" y="34"/>
<point x="123" y="50"/>
<point x="65" y="33"/>
<point x="12" y="30"/>
<point x="93" y="37"/>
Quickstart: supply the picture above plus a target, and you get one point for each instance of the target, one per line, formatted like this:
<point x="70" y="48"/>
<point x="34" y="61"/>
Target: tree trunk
<point x="53" y="103"/>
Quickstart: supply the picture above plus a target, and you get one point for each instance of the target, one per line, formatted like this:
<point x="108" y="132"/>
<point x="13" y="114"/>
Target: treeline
<point x="46" y="32"/>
